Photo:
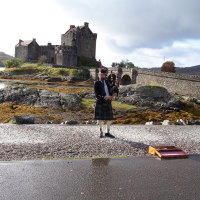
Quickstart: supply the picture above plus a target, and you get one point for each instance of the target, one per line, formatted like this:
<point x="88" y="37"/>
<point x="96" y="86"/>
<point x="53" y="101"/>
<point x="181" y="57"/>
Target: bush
<point x="13" y="62"/>
<point x="168" y="66"/>
<point x="42" y="60"/>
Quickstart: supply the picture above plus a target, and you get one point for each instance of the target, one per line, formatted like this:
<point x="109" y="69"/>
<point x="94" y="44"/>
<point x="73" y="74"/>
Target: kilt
<point x="103" y="111"/>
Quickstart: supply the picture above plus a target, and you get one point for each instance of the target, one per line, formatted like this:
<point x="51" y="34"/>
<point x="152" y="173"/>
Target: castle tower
<point x="83" y="38"/>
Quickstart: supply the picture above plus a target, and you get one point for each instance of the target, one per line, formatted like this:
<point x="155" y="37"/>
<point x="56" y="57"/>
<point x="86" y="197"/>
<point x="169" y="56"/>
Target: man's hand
<point x="114" y="95"/>
<point x="108" y="97"/>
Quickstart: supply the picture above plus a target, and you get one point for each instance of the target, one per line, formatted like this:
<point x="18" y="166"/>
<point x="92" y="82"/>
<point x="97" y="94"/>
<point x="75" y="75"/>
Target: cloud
<point x="143" y="31"/>
<point x="133" y="24"/>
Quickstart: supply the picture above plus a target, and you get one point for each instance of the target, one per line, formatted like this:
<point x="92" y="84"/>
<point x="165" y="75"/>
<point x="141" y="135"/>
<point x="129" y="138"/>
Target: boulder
<point x="180" y="122"/>
<point x="152" y="123"/>
<point x="71" y="122"/>
<point x="40" y="98"/>
<point x="167" y="122"/>
<point x="193" y="122"/>
<point x="25" y="119"/>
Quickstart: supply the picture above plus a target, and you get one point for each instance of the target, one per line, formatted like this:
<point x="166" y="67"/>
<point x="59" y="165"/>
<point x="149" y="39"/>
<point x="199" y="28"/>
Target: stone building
<point x="77" y="43"/>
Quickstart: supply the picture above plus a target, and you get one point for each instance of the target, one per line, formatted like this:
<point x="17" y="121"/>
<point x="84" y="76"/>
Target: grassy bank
<point x="34" y="69"/>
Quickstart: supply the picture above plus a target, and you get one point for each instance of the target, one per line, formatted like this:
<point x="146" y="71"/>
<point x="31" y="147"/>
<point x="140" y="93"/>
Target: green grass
<point x="34" y="69"/>
<point x="155" y="85"/>
<point x="89" y="103"/>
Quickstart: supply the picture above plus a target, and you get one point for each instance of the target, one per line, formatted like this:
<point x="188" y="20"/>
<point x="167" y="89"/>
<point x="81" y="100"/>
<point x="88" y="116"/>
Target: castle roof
<point x="75" y="29"/>
<point x="25" y="42"/>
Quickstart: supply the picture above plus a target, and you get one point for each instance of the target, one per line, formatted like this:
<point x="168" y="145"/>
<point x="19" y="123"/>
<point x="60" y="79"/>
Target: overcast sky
<point x="146" y="32"/>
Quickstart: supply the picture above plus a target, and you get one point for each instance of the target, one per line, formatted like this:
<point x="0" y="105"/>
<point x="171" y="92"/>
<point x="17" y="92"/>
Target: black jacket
<point x="100" y="92"/>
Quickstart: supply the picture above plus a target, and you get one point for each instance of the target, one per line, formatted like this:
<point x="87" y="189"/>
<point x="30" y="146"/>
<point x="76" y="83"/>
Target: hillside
<point x="4" y="56"/>
<point x="193" y="70"/>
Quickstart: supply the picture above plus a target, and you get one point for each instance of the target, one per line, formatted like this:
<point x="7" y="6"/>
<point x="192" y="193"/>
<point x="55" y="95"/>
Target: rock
<point x="90" y="95"/>
<point x="73" y="78"/>
<point x="180" y="122"/>
<point x="25" y="119"/>
<point x="71" y="122"/>
<point x="167" y="122"/>
<point x="72" y="101"/>
<point x="152" y="123"/>
<point x="41" y="76"/>
<point x="48" y="99"/>
<point x="40" y="98"/>
<point x="145" y="96"/>
<point x="193" y="122"/>
<point x="54" y="79"/>
<point x="195" y="100"/>
<point x="90" y="122"/>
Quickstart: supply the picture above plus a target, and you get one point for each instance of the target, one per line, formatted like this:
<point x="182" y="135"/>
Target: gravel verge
<point x="28" y="142"/>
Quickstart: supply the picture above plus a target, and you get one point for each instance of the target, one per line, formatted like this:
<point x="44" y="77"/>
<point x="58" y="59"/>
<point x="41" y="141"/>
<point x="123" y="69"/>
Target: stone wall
<point x="182" y="84"/>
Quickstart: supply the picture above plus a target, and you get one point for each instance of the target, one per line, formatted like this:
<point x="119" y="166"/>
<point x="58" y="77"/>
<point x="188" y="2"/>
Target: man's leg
<point x="108" y="123"/>
<point x="100" y="122"/>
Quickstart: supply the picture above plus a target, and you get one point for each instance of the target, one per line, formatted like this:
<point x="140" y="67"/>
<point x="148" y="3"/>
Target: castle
<point x="76" y="44"/>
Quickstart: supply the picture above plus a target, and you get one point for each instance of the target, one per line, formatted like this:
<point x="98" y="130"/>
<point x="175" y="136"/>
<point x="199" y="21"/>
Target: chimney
<point x="72" y="26"/>
<point x="20" y="42"/>
<point x="34" y="39"/>
<point x="86" y="24"/>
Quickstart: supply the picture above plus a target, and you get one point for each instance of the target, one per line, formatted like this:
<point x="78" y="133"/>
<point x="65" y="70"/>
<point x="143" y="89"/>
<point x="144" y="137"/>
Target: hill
<point x="4" y="56"/>
<point x="193" y="70"/>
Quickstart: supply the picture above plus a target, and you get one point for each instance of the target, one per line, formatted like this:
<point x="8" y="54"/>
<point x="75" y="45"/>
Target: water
<point x="2" y="85"/>
<point x="2" y="68"/>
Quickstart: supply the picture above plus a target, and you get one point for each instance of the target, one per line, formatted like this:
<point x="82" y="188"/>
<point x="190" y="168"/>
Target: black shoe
<point x="109" y="135"/>
<point x="101" y="135"/>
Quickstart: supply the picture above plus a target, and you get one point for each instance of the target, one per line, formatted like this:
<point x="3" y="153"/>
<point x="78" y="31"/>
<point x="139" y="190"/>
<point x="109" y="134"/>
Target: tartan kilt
<point x="103" y="111"/>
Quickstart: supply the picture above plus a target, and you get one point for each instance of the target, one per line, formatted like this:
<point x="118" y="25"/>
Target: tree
<point x="168" y="66"/>
<point x="123" y="64"/>
<point x="42" y="60"/>
<point x="13" y="62"/>
<point x="114" y="64"/>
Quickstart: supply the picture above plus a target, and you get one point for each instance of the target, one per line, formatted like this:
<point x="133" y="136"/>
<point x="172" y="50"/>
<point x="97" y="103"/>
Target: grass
<point x="89" y="103"/>
<point x="68" y="90"/>
<point x="155" y="85"/>
<point x="9" y="109"/>
<point x="34" y="69"/>
<point x="189" y="112"/>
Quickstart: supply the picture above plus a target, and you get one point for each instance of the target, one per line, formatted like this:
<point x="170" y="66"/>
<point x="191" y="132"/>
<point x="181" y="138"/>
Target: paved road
<point x="106" y="179"/>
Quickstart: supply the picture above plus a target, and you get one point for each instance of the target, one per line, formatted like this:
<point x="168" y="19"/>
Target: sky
<point x="145" y="32"/>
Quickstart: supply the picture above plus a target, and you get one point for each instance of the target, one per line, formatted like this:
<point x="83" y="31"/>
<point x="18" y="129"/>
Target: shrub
<point x="13" y="62"/>
<point x="42" y="60"/>
<point x="168" y="66"/>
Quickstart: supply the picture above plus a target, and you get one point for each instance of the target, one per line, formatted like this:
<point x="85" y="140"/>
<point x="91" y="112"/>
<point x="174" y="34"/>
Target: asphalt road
<point x="104" y="178"/>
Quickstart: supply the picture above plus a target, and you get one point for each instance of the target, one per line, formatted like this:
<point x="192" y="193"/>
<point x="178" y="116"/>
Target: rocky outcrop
<point x="39" y="97"/>
<point x="149" y="96"/>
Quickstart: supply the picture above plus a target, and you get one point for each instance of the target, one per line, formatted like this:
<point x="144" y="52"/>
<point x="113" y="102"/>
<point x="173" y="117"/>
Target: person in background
<point x="103" y="107"/>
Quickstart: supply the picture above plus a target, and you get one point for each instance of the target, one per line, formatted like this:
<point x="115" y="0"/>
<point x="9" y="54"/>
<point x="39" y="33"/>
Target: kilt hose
<point x="103" y="111"/>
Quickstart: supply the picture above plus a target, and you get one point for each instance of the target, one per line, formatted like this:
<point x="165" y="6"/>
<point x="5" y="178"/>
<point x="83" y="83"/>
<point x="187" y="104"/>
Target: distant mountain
<point x="4" y="56"/>
<point x="194" y="70"/>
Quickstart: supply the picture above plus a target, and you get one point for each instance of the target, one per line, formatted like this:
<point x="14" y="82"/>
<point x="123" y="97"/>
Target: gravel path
<point x="24" y="142"/>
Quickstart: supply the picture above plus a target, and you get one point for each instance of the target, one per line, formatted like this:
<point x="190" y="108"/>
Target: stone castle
<point x="76" y="44"/>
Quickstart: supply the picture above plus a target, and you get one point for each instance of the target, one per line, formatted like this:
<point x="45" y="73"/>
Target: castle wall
<point x="87" y="47"/>
<point x="22" y="53"/>
<point x="49" y="52"/>
<point x="33" y="52"/>
<point x="182" y="84"/>
<point x="66" y="55"/>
